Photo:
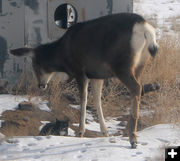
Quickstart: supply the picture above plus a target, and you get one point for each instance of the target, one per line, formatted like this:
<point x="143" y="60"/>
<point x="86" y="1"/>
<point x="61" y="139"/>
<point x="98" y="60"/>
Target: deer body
<point x="111" y="46"/>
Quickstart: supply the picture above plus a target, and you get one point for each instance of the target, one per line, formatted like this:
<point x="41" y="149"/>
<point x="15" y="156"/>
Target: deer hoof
<point x="105" y="134"/>
<point x="134" y="145"/>
<point x="80" y="134"/>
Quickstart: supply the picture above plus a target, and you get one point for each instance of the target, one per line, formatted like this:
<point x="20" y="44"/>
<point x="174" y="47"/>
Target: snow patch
<point x="43" y="124"/>
<point x="57" y="148"/>
<point x="10" y="102"/>
<point x="77" y="107"/>
<point x="160" y="9"/>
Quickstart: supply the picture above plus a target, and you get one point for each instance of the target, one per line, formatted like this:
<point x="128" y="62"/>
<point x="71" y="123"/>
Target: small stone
<point x="150" y="87"/>
<point x="26" y="106"/>
<point x="12" y="141"/>
<point x="112" y="140"/>
<point x="123" y="123"/>
<point x="120" y="132"/>
<point x="26" y="119"/>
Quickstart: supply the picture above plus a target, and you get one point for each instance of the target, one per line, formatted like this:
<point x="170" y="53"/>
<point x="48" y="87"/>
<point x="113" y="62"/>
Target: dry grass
<point x="165" y="69"/>
<point x="153" y="21"/>
<point x="26" y="85"/>
<point x="175" y="26"/>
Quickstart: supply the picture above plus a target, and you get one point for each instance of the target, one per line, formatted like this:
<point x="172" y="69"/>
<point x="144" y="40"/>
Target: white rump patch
<point x="138" y="42"/>
<point x="150" y="34"/>
<point x="143" y="36"/>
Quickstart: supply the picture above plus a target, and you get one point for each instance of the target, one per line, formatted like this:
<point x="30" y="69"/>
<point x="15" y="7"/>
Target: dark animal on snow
<point x="111" y="46"/>
<point x="58" y="128"/>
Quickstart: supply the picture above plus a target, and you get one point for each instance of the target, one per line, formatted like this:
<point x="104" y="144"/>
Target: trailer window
<point x="65" y="15"/>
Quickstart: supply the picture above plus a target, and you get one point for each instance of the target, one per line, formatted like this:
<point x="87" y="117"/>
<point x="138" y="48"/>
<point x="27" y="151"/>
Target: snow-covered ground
<point x="151" y="141"/>
<point x="46" y="148"/>
<point x="10" y="102"/>
<point x="160" y="9"/>
<point x="164" y="14"/>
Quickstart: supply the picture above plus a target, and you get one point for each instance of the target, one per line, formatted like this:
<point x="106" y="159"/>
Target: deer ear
<point x="22" y="52"/>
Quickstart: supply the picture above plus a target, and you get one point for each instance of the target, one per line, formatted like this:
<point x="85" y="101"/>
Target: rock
<point x="112" y="139"/>
<point x="123" y="123"/>
<point x="150" y="87"/>
<point x="26" y="119"/>
<point x="26" y="106"/>
<point x="120" y="132"/>
<point x="12" y="141"/>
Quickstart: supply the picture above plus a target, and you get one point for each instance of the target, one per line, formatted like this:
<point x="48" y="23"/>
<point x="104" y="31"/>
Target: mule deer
<point x="116" y="45"/>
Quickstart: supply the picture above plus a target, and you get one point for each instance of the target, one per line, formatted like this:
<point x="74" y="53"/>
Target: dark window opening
<point x="65" y="16"/>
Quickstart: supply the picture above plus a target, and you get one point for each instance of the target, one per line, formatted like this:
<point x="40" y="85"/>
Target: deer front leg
<point x="83" y="88"/>
<point x="97" y="85"/>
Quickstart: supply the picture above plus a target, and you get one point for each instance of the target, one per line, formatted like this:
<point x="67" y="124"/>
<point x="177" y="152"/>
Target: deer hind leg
<point x="97" y="85"/>
<point x="135" y="88"/>
<point x="83" y="89"/>
<point x="138" y="72"/>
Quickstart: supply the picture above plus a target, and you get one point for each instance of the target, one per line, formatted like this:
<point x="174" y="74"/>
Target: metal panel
<point x="94" y="8"/>
<point x="36" y="23"/>
<point x="11" y="34"/>
<point x="0" y="7"/>
<point x="122" y="6"/>
<point x="12" y="22"/>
